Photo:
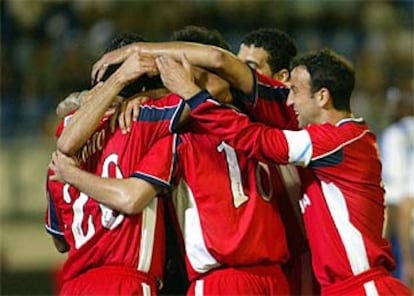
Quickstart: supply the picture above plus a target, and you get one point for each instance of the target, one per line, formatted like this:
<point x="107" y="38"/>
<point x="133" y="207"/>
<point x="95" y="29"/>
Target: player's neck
<point x="334" y="116"/>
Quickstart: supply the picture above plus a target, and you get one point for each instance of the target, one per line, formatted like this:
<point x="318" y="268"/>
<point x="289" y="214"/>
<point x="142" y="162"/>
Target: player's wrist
<point x="190" y="92"/>
<point x="198" y="98"/>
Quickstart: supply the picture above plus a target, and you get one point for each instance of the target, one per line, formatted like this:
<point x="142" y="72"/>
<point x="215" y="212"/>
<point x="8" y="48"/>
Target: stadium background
<point x="48" y="48"/>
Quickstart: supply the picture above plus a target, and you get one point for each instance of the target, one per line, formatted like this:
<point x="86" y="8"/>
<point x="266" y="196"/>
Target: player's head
<point x="144" y="82"/>
<point x="206" y="36"/>
<point x="269" y="51"/>
<point x="320" y="81"/>
<point x="200" y="35"/>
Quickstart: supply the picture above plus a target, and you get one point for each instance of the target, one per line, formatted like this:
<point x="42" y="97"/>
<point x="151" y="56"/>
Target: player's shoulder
<point x="347" y="125"/>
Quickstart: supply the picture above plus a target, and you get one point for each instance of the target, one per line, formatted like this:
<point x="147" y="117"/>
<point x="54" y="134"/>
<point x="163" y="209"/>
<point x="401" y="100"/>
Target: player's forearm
<point x="128" y="196"/>
<point x="198" y="54"/>
<point x="86" y="119"/>
<point x="215" y="59"/>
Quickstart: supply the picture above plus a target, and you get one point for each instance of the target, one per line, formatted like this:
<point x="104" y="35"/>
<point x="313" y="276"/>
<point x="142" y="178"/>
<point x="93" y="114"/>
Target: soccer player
<point x="248" y="190"/>
<point x="269" y="51"/>
<point x="343" y="208"/>
<point x="264" y="99"/>
<point x="111" y="253"/>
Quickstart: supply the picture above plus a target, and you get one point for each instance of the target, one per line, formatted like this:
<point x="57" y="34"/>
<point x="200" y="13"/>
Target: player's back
<point x="229" y="205"/>
<point x="97" y="235"/>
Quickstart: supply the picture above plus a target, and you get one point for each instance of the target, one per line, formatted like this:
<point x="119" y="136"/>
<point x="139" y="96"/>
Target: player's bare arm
<point x="128" y="196"/>
<point x="215" y="59"/>
<point x="99" y="99"/>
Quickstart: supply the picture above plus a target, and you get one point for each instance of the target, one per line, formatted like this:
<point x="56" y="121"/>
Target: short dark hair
<point x="201" y="35"/>
<point x="332" y="71"/>
<point x="124" y="39"/>
<point x="142" y="82"/>
<point x="279" y="45"/>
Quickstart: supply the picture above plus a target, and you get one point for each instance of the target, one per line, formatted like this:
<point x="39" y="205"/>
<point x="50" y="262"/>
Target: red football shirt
<point x="344" y="213"/>
<point x="225" y="202"/>
<point x="100" y="236"/>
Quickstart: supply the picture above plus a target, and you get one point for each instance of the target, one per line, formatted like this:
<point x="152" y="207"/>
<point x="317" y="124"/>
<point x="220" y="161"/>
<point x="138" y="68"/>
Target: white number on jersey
<point x="304" y="203"/>
<point x="239" y="197"/>
<point x="108" y="220"/>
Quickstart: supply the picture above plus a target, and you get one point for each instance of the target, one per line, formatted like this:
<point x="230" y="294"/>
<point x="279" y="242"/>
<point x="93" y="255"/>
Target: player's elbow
<point x="131" y="204"/>
<point x="64" y="146"/>
<point x="217" y="57"/>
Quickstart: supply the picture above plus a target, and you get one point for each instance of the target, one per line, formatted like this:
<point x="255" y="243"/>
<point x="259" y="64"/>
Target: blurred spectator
<point x="397" y="152"/>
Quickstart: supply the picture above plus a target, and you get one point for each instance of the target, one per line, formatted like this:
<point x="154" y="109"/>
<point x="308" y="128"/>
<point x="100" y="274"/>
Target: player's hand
<point x="129" y="112"/>
<point x="135" y="66"/>
<point x="178" y="78"/>
<point x="113" y="57"/>
<point x="61" y="165"/>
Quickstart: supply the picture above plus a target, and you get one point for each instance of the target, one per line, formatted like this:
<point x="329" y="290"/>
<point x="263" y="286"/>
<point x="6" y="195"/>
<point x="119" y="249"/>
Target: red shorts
<point x="111" y="280"/>
<point x="376" y="281"/>
<point x="252" y="280"/>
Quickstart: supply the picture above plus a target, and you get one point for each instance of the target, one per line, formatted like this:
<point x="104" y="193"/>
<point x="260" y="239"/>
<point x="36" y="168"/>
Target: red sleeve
<point x="270" y="104"/>
<point x="254" y="139"/>
<point x="157" y="166"/>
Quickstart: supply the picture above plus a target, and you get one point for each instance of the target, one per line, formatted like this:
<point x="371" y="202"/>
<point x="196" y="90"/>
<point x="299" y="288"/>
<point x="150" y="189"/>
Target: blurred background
<point x="49" y="47"/>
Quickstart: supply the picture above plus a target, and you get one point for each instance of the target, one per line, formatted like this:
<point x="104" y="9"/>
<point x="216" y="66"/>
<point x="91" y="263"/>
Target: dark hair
<point x="279" y="45"/>
<point x="332" y="71"/>
<point x="143" y="82"/>
<point x="124" y="39"/>
<point x="200" y="35"/>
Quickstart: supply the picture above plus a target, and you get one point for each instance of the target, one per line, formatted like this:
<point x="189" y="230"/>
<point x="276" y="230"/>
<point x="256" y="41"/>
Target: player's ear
<point x="323" y="96"/>
<point x="282" y="75"/>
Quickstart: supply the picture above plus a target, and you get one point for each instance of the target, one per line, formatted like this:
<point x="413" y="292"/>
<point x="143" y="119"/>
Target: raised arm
<point x="215" y="59"/>
<point x="99" y="99"/>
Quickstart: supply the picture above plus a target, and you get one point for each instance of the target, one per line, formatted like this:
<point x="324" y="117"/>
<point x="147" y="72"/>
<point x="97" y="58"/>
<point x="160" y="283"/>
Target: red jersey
<point x="97" y="235"/>
<point x="347" y="201"/>
<point x="225" y="203"/>
<point x="268" y="103"/>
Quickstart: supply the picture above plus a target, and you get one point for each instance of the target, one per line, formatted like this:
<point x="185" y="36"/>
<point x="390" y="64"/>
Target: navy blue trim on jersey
<point x="176" y="118"/>
<point x="273" y="93"/>
<point x="54" y="228"/>
<point x="154" y="113"/>
<point x="198" y="99"/>
<point x="177" y="141"/>
<point x="54" y="232"/>
<point x="151" y="179"/>
<point x="54" y="223"/>
<point x="329" y="160"/>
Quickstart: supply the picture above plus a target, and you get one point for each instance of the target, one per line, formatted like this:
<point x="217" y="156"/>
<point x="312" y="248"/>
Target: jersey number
<point x="239" y="197"/>
<point x="108" y="220"/>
